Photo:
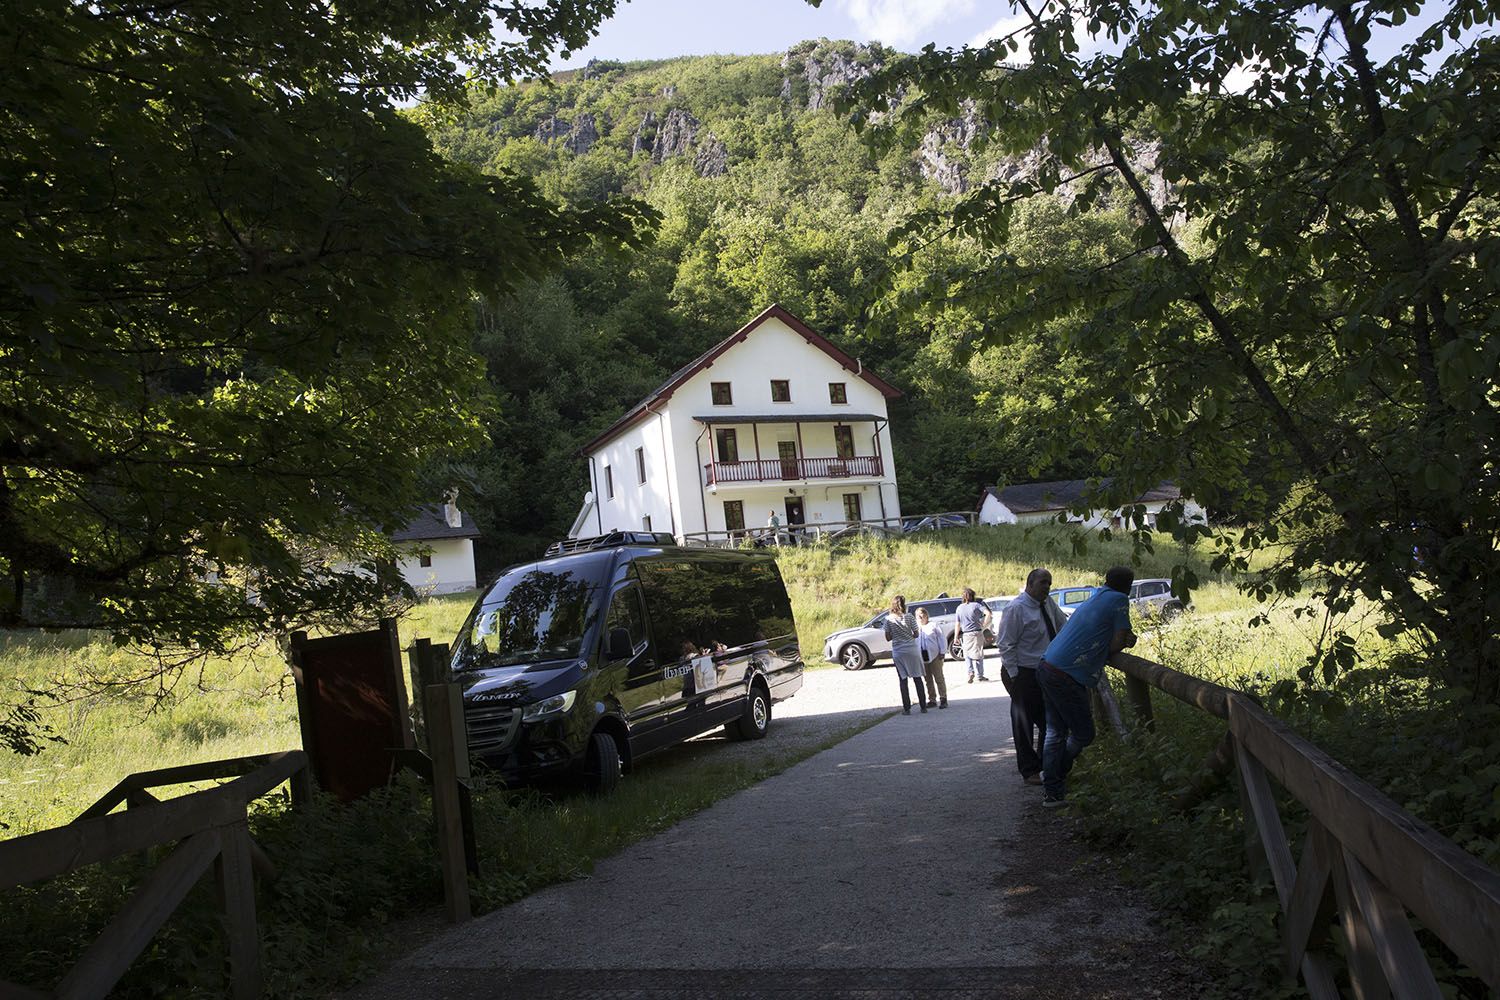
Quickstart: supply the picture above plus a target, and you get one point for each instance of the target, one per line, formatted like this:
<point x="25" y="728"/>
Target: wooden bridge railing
<point x="210" y="830"/>
<point x="1365" y="861"/>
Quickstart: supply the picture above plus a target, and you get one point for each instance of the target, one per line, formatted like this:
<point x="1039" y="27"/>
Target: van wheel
<point x="756" y="722"/>
<point x="854" y="656"/>
<point x="601" y="773"/>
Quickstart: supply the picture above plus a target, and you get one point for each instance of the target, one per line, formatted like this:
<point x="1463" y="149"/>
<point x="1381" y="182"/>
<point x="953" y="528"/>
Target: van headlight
<point x="555" y="705"/>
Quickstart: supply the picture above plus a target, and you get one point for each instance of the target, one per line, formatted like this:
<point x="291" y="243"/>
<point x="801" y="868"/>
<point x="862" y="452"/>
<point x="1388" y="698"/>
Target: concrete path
<point x="907" y="861"/>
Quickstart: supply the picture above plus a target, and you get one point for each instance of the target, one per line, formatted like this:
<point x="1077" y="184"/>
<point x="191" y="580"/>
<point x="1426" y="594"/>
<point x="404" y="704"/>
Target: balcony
<point x="772" y="470"/>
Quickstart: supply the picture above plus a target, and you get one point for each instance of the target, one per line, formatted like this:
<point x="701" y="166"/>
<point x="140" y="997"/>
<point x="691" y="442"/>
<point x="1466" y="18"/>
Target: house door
<point x="788" y="453"/>
<point x="843" y="441"/>
<point x="794" y="515"/>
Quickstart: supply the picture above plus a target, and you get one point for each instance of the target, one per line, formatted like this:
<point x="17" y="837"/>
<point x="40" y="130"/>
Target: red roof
<point x="641" y="410"/>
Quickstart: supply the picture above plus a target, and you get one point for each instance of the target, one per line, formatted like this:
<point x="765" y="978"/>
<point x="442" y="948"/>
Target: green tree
<point x="1311" y="279"/>
<point x="235" y="287"/>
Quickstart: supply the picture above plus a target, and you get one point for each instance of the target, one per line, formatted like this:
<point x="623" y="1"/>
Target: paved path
<point x="907" y="861"/>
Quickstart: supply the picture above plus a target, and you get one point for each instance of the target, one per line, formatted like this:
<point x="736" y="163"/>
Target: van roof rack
<point x="610" y="540"/>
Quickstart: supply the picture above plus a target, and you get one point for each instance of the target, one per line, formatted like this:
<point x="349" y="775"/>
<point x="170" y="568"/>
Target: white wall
<point x="992" y="511"/>
<point x="633" y="500"/>
<point x="452" y="566"/>
<point x="774" y="351"/>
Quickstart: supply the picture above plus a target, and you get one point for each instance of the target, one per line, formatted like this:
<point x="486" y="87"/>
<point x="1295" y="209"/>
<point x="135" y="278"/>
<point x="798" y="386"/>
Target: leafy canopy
<point x="235" y="285"/>
<point x="1308" y="295"/>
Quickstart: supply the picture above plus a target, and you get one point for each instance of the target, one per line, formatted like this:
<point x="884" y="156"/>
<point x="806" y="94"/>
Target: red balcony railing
<point x="773" y="469"/>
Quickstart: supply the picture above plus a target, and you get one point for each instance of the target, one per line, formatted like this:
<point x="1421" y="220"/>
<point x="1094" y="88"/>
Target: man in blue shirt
<point x="1071" y="666"/>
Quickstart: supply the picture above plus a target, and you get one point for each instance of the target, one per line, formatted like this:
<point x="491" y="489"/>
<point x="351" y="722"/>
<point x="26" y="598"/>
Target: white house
<point x="437" y="550"/>
<point x="772" y="418"/>
<point x="1031" y="503"/>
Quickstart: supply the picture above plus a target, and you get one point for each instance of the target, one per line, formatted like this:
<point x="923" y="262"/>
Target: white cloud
<point x="1087" y="44"/>
<point x="899" y="23"/>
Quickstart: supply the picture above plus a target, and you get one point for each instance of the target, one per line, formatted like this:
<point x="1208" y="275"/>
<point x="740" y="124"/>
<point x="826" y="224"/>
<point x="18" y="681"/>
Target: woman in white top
<point x="901" y="630"/>
<point x="930" y="641"/>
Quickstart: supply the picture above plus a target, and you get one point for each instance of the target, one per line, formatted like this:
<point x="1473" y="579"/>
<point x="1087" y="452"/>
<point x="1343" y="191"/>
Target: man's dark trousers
<point x="1070" y="727"/>
<point x="1028" y="718"/>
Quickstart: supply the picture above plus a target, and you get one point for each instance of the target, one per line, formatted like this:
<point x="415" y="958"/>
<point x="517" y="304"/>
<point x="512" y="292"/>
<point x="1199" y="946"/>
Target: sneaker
<point x="943" y="703"/>
<point x="971" y="678"/>
<point x="1050" y="801"/>
<point x="1032" y="779"/>
<point x="906" y="711"/>
<point x="984" y="679"/>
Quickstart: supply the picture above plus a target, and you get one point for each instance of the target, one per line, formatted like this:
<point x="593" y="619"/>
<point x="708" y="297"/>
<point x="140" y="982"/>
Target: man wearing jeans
<point x="1071" y="666"/>
<point x="1027" y="625"/>
<point x="972" y="619"/>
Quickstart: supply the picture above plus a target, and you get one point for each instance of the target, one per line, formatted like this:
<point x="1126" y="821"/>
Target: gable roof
<point x="1029" y="498"/>
<point x="678" y="378"/>
<point x="430" y="525"/>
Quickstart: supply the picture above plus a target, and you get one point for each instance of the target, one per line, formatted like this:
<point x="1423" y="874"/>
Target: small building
<point x="775" y="417"/>
<point x="1033" y="503"/>
<point x="437" y="550"/>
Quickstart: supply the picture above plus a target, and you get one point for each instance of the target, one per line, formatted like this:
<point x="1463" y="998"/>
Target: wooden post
<point x="237" y="898"/>
<point x="448" y="746"/>
<point x="418" y="658"/>
<point x="1139" y="693"/>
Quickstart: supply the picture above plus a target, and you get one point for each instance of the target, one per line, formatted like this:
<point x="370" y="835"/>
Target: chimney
<point x="451" y="513"/>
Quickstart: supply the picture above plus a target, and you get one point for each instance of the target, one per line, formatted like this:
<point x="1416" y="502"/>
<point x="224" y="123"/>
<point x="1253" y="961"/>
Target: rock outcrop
<point x="585" y="134"/>
<point x="935" y="159"/>
<point x="675" y="137"/>
<point x="645" y="135"/>
<point x="825" y="70"/>
<point x="552" y="129"/>
<point x="713" y="157"/>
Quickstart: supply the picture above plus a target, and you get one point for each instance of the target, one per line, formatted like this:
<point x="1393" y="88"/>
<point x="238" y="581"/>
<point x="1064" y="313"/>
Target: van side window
<point x="625" y="612"/>
<point x="709" y="604"/>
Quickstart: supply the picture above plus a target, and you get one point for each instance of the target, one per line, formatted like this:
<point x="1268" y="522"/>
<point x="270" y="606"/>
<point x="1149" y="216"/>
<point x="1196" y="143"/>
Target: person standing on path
<point x="1028" y="624"/>
<point x="901" y="630"/>
<point x="773" y="525"/>
<point x="930" y="643"/>
<point x="1071" y="665"/>
<point x="971" y="621"/>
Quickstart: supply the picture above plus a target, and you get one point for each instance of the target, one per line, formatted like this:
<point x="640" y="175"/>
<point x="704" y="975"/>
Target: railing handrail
<point x="734" y="536"/>
<point x="775" y="469"/>
<point x="1376" y="859"/>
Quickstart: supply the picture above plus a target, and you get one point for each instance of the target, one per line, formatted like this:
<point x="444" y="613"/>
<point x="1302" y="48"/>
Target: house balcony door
<point x="787" y="450"/>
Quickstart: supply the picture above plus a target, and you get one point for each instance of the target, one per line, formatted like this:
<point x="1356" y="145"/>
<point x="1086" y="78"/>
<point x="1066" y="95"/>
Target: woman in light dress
<point x="931" y="643"/>
<point x="901" y="630"/>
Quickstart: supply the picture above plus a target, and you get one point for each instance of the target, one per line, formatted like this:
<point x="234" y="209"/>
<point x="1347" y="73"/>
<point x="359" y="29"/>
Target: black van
<point x="610" y="648"/>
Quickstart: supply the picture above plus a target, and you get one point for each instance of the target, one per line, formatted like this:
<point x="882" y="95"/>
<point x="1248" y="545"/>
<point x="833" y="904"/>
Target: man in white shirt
<point x="773" y="525"/>
<point x="1028" y="624"/>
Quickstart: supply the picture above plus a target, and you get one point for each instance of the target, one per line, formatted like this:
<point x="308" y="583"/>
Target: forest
<point x="765" y="194"/>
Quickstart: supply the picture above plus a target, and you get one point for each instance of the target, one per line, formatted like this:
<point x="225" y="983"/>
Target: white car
<point x="858" y="647"/>
<point x="1148" y="597"/>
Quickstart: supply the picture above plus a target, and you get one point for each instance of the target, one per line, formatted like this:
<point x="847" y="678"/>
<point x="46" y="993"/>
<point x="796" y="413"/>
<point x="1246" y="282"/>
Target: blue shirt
<point x="1082" y="646"/>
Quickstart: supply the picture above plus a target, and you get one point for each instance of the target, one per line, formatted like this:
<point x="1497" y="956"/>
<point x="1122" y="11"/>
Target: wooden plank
<point x="278" y="768"/>
<point x="237" y="898"/>
<point x="1450" y="892"/>
<point x="1309" y="909"/>
<point x="1267" y="819"/>
<point x="261" y="862"/>
<point x="1209" y="697"/>
<point x="1395" y="944"/>
<point x="398" y="687"/>
<point x="443" y="707"/>
<point x="1365" y="974"/>
<point x="49" y="853"/>
<point x="108" y="800"/>
<point x="107" y="958"/>
<point x="208" y="770"/>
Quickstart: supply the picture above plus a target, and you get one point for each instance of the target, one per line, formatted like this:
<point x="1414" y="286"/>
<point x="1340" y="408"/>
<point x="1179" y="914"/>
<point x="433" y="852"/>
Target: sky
<point x="661" y="29"/>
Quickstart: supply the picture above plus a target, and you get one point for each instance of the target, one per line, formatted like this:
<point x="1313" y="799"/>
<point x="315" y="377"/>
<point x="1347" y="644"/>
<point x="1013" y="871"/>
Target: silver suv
<point x="1154" y="598"/>
<point x="856" y="648"/>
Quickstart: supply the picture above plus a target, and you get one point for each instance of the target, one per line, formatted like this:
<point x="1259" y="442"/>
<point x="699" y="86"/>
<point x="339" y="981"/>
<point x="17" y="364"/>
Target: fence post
<point x="448" y="746"/>
<point x="1139" y="693"/>
<point x="237" y="899"/>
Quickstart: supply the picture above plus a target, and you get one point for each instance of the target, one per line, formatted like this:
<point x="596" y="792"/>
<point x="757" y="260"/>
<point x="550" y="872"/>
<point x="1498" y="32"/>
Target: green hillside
<point x="765" y="195"/>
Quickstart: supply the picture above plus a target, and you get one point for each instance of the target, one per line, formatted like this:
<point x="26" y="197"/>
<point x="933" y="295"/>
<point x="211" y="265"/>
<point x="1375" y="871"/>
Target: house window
<point x="851" y="507"/>
<point x="838" y="392"/>
<point x="640" y="465"/>
<point x="734" y="515"/>
<point x="722" y="395"/>
<point x="646" y="522"/>
<point x="425" y="561"/>
<point x="843" y="441"/>
<point x="609" y="483"/>
<point x="781" y="390"/>
<point x="729" y="449"/>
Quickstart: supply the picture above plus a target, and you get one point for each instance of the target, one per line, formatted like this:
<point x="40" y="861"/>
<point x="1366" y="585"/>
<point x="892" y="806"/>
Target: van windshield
<point x="531" y="614"/>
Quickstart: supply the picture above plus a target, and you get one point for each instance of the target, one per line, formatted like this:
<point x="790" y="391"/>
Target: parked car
<point x="997" y="607"/>
<point x="589" y="659"/>
<point x="1148" y="597"/>
<point x="1154" y="597"/>
<point x="934" y="522"/>
<point x="854" y="531"/>
<point x="858" y="647"/>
